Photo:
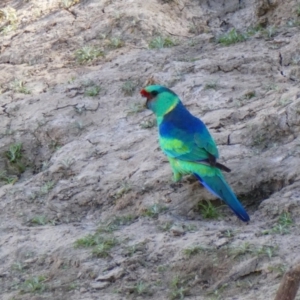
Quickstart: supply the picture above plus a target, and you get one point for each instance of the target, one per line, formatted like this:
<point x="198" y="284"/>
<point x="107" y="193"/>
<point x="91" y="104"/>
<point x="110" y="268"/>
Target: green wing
<point x="183" y="136"/>
<point x="189" y="147"/>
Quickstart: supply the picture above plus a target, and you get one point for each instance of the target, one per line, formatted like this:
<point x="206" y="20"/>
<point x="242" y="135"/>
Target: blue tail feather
<point x="218" y="186"/>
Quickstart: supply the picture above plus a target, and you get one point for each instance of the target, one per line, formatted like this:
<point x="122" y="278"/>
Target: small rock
<point x="99" y="285"/>
<point x="72" y="93"/>
<point x="153" y="257"/>
<point x="221" y="242"/>
<point x="112" y="275"/>
<point x="288" y="194"/>
<point x="177" y="231"/>
<point x="125" y="156"/>
<point x="30" y="260"/>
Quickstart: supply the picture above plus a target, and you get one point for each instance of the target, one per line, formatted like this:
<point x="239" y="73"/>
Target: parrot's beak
<point x="147" y="104"/>
<point x="145" y="94"/>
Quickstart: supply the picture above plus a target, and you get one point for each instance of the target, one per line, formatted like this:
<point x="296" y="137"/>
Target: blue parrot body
<point x="189" y="146"/>
<point x="180" y="124"/>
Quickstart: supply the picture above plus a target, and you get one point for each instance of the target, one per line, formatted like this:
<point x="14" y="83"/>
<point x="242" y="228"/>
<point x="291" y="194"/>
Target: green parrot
<point x="189" y="146"/>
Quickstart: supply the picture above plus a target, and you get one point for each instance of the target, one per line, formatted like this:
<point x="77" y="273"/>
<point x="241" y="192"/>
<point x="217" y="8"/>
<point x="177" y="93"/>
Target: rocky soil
<point x="88" y="207"/>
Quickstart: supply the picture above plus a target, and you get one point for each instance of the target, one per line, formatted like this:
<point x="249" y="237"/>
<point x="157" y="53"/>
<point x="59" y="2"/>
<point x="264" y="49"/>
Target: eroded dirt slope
<point x="88" y="207"/>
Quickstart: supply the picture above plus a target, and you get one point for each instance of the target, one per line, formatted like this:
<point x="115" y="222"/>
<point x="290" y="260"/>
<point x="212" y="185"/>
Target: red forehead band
<point x="144" y="93"/>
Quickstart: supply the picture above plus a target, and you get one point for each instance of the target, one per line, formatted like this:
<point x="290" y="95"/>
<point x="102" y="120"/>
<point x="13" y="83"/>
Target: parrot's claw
<point x="176" y="177"/>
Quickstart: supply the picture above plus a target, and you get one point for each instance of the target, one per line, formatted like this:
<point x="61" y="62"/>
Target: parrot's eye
<point x="154" y="93"/>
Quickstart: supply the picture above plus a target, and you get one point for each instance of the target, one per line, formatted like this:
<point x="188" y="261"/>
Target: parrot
<point x="189" y="146"/>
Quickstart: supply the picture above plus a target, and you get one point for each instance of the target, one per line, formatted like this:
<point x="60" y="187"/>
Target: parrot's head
<point x="160" y="99"/>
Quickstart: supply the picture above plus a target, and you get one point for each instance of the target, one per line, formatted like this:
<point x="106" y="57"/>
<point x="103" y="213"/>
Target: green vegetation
<point x="71" y="80"/>
<point x="34" y="285"/>
<point x="284" y="102"/>
<point x="41" y="220"/>
<point x="166" y="226"/>
<point x="79" y="125"/>
<point x="8" y="14"/>
<point x="265" y="250"/>
<point x="100" y="242"/>
<point x="116" y="223"/>
<point x="154" y="210"/>
<point x="124" y="189"/>
<point x="14" y="153"/>
<point x="115" y="43"/>
<point x="240" y="101"/>
<point x="252" y="30"/>
<point x="79" y="109"/>
<point x="190" y="227"/>
<point x="38" y="220"/>
<point x="285" y="219"/>
<point x="208" y="211"/>
<point x="211" y="85"/>
<point x="259" y="139"/>
<point x="280" y="269"/>
<point x="67" y="163"/>
<point x="272" y="87"/>
<point x="193" y="251"/>
<point x="92" y="91"/>
<point x="6" y="178"/>
<point x="148" y="124"/>
<point x="298" y="10"/>
<point x="229" y="233"/>
<point x="269" y="32"/>
<point x="247" y="248"/>
<point x="218" y="293"/>
<point x="249" y="95"/>
<point x="193" y="28"/>
<point x="162" y="268"/>
<point x="15" y="159"/>
<point x="18" y="266"/>
<point x="283" y="225"/>
<point x="18" y="86"/>
<point x="46" y="187"/>
<point x="141" y="288"/>
<point x="101" y="245"/>
<point x="54" y="145"/>
<point x="242" y="249"/>
<point x="231" y="37"/>
<point x="161" y="42"/>
<point x="68" y="3"/>
<point x="139" y="247"/>
<point x="128" y="88"/>
<point x="87" y="241"/>
<point x="192" y="42"/>
<point x="72" y="286"/>
<point x="296" y="60"/>
<point x="103" y="248"/>
<point x="136" y="108"/>
<point x="178" y="288"/>
<point x="87" y="54"/>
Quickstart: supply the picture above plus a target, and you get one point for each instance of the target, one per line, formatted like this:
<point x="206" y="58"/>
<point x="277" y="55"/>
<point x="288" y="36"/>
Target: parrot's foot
<point x="176" y="177"/>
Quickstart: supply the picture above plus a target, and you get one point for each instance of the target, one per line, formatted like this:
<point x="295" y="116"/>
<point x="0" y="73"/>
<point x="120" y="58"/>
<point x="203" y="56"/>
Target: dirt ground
<point x="88" y="206"/>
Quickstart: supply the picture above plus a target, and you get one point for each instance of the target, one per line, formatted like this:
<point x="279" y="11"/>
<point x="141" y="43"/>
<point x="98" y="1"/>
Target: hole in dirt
<point x="255" y="197"/>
